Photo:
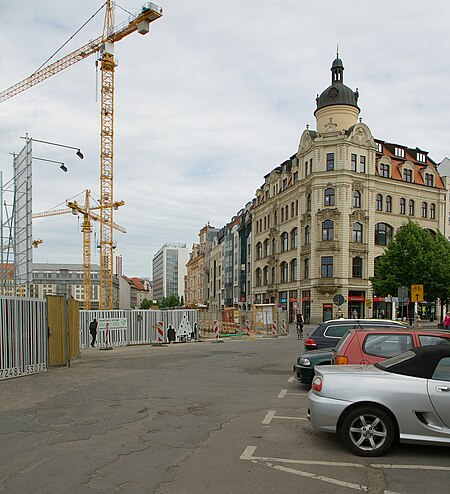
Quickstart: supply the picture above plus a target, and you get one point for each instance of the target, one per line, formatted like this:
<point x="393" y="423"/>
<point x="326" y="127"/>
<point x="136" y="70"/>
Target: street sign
<point x="417" y="293"/>
<point x="402" y="294"/>
<point x="338" y="299"/>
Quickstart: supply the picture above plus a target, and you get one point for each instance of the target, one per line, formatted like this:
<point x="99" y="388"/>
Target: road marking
<point x="271" y="415"/>
<point x="291" y="379"/>
<point x="285" y="392"/>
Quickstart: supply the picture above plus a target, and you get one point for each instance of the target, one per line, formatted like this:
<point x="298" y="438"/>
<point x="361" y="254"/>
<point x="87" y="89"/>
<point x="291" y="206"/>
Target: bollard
<point x="247" y="327"/>
<point x="283" y="327"/>
<point x="160" y="332"/>
<point x="274" y="328"/>
<point x="216" y="330"/>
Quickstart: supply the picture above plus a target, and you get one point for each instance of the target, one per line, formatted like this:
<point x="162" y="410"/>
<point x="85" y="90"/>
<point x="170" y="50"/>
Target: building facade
<point x="169" y="271"/>
<point x="323" y="216"/>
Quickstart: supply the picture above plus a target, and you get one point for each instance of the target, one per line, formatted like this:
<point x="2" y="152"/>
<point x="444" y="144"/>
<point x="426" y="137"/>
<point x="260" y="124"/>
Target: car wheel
<point x="368" y="431"/>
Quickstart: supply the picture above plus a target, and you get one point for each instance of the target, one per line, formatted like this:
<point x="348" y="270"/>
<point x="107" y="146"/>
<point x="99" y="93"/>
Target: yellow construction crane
<point x="86" y="228"/>
<point x="104" y="45"/>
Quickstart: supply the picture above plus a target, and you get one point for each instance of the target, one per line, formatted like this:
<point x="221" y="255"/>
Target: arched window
<point x="274" y="274"/>
<point x="284" y="242"/>
<point x="357" y="271"/>
<point x="424" y="209"/>
<point x="274" y="246"/>
<point x="402" y="205"/>
<point x="379" y="202"/>
<point x="357" y="199"/>
<point x="411" y="207"/>
<point x="259" y="250"/>
<point x="294" y="238"/>
<point x="389" y="204"/>
<point x="307" y="235"/>
<point x="357" y="232"/>
<point x="258" y="277"/>
<point x="433" y="211"/>
<point x="266" y="247"/>
<point x="383" y="234"/>
<point x="329" y="197"/>
<point x="284" y="272"/>
<point x="308" y="202"/>
<point x="375" y="262"/>
<point x="293" y="270"/>
<point x="266" y="275"/>
<point x="327" y="230"/>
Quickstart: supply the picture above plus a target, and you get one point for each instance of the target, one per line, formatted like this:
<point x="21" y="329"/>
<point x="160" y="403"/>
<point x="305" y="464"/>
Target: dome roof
<point x="338" y="93"/>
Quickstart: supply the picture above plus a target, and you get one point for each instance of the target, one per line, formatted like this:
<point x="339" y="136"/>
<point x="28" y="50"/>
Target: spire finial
<point x="337" y="50"/>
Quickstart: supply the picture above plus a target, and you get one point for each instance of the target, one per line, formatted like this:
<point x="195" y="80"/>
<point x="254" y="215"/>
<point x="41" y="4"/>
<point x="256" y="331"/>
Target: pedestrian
<point x="93" y="330"/>
<point x="300" y="321"/>
<point x="447" y="321"/>
<point x="354" y="314"/>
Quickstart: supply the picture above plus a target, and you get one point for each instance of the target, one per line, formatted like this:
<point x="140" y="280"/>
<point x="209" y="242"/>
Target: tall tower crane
<point x="88" y="215"/>
<point x="104" y="45"/>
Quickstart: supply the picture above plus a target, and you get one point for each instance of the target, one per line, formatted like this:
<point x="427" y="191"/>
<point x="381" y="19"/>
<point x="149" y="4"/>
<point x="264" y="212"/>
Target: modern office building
<point x="169" y="270"/>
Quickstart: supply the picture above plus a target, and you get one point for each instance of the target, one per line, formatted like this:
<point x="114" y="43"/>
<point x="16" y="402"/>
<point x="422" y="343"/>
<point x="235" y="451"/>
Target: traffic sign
<point x="338" y="299"/>
<point x="417" y="293"/>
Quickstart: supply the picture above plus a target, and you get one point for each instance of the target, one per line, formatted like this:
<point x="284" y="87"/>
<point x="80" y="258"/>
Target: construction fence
<point x="263" y="319"/>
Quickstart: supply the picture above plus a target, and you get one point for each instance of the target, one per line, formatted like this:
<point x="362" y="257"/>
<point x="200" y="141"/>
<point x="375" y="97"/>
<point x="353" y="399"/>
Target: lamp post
<point x="78" y="152"/>
<point x="63" y="166"/>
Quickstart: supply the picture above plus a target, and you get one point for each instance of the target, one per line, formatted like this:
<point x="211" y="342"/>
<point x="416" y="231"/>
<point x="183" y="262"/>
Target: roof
<point x="422" y="361"/>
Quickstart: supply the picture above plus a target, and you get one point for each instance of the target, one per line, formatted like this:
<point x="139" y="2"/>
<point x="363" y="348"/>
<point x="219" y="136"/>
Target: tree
<point x="146" y="304"/>
<point x="415" y="256"/>
<point x="170" y="301"/>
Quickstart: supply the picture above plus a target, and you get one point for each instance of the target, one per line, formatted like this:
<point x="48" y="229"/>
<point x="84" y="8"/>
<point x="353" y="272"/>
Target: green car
<point x="304" y="368"/>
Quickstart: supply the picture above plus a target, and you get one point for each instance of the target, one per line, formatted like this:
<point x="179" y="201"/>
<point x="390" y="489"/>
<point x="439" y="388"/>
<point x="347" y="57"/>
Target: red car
<point x="362" y="346"/>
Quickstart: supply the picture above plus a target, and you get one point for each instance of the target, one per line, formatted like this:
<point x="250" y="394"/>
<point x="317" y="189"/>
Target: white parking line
<point x="285" y="392"/>
<point x="271" y="414"/>
<point x="291" y="379"/>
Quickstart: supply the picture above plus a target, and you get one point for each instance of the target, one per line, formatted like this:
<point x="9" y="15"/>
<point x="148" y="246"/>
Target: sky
<point x="206" y="104"/>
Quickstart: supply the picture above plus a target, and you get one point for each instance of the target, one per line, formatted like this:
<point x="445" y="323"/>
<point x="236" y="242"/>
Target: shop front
<point x="293" y="305"/>
<point x="382" y="308"/>
<point x="327" y="312"/>
<point x="306" y="305"/>
<point x="356" y="304"/>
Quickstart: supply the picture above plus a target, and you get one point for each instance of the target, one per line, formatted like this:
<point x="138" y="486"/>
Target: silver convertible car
<point x="405" y="398"/>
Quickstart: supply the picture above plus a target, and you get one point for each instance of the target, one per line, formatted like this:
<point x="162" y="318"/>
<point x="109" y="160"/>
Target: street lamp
<point x="63" y="166"/>
<point x="78" y="152"/>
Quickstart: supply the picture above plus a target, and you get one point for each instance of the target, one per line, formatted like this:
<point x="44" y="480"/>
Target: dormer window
<point x="400" y="152"/>
<point x="429" y="182"/>
<point x="379" y="147"/>
<point x="407" y="175"/>
<point x="384" y="170"/>
<point x="421" y="157"/>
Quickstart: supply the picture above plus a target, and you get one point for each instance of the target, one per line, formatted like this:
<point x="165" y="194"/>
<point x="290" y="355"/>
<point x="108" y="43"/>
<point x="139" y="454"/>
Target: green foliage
<point x="146" y="304"/>
<point x="169" y="302"/>
<point x="414" y="257"/>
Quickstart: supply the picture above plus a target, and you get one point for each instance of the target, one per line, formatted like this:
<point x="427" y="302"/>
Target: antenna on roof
<point x="337" y="50"/>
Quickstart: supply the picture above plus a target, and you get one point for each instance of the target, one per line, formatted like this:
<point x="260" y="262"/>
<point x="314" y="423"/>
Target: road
<point x="188" y="418"/>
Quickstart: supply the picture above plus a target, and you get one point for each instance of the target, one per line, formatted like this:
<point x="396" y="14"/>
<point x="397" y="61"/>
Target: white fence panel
<point x="23" y="336"/>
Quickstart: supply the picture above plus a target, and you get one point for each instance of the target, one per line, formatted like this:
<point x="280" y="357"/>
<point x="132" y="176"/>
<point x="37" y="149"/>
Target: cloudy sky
<point x="209" y="102"/>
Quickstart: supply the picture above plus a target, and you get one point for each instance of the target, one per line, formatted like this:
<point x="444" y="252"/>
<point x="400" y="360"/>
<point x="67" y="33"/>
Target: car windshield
<point x="398" y="359"/>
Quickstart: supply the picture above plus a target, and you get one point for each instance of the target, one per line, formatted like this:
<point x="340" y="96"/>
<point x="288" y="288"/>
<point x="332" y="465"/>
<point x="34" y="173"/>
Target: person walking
<point x="447" y="321"/>
<point x="300" y="321"/>
<point x="93" y="330"/>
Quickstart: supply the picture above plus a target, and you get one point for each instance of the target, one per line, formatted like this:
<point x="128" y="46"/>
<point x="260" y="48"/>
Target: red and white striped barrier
<point x="216" y="330"/>
<point x="274" y="328"/>
<point x="247" y="327"/>
<point x="160" y="332"/>
<point x="283" y="326"/>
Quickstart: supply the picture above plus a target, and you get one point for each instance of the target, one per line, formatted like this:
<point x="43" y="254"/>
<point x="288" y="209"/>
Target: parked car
<point x="363" y="346"/>
<point x="328" y="333"/>
<point x="405" y="398"/>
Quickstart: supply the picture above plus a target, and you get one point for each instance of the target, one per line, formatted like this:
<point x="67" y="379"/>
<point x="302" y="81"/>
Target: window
<point x="310" y="165"/>
<point x="293" y="270"/>
<point x="353" y="162"/>
<point x="306" y="269"/>
<point x="266" y="275"/>
<point x="266" y="247"/>
<point x="442" y="371"/>
<point x="307" y="235"/>
<point x="407" y="175"/>
<point x="362" y="164"/>
<point x="357" y="233"/>
<point x="400" y="152"/>
<point x="384" y="170"/>
<point x="258" y="277"/>
<point x="327" y="267"/>
<point x="421" y="157"/>
<point x="402" y="205"/>
<point x="295" y="177"/>
<point x="327" y="230"/>
<point x="329" y="197"/>
<point x="379" y="202"/>
<point x="387" y="345"/>
<point x="274" y="280"/>
<point x="389" y="204"/>
<point x="357" y="267"/>
<point x="433" y="211"/>
<point x="357" y="199"/>
<point x="306" y="168"/>
<point x="284" y="242"/>
<point x="282" y="215"/>
<point x="292" y="210"/>
<point x="429" y="182"/>
<point x="294" y="238"/>
<point x="258" y="250"/>
<point x="411" y="207"/>
<point x="284" y="272"/>
<point x="330" y="161"/>
<point x="424" y="209"/>
<point x="379" y="147"/>
<point x="308" y="202"/>
<point x="274" y="247"/>
<point x="383" y="234"/>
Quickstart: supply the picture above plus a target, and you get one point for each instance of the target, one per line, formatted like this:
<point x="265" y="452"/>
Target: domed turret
<point x="338" y="103"/>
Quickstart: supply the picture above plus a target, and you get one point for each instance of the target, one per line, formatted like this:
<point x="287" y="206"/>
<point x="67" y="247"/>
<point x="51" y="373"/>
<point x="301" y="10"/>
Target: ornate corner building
<point x="321" y="218"/>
